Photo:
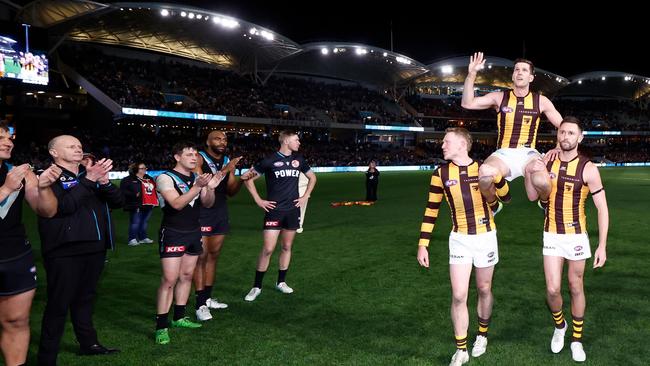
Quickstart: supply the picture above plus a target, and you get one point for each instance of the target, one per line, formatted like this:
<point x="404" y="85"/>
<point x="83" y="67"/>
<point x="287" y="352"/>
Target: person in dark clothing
<point x="74" y="243"/>
<point x="282" y="206"/>
<point x="17" y="271"/>
<point x="139" y="191"/>
<point x="372" y="181"/>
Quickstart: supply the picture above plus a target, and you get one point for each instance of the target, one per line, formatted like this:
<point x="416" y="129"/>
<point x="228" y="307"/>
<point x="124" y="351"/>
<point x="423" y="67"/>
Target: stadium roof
<point x="497" y="74"/>
<point x="607" y="84"/>
<point x="184" y="31"/>
<point x="224" y="41"/>
<point x="352" y="61"/>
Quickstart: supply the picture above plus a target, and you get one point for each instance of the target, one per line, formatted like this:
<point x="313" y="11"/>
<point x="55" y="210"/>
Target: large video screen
<point x="28" y="66"/>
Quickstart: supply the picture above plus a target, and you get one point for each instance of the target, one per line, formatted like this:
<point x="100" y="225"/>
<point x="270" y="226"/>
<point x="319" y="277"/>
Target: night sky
<point x="614" y="38"/>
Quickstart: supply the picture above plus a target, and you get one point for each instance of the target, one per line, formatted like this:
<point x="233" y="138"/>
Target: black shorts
<point x="174" y="243"/>
<point x="214" y="222"/>
<point x="17" y="275"/>
<point x="279" y="220"/>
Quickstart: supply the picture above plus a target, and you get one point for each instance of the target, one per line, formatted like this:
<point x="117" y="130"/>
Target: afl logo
<point x="506" y="109"/>
<point x="278" y="164"/>
<point x="490" y="255"/>
<point x="295" y="163"/>
<point x="552" y="175"/>
<point x="578" y="248"/>
<point x="451" y="182"/>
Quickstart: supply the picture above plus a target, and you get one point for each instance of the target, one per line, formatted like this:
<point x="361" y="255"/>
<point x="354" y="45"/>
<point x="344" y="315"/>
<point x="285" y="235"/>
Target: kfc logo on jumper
<point x="272" y="223"/>
<point x="206" y="229"/>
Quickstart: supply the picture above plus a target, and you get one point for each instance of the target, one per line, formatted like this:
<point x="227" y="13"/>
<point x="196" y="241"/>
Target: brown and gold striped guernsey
<point x="470" y="213"/>
<point x="518" y="120"/>
<point x="566" y="208"/>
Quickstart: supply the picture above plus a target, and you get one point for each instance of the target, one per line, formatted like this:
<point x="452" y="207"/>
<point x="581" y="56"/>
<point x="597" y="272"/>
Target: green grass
<point x="361" y="298"/>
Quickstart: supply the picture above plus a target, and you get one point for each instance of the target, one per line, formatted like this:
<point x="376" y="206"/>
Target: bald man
<point x="74" y="243"/>
<point x="214" y="220"/>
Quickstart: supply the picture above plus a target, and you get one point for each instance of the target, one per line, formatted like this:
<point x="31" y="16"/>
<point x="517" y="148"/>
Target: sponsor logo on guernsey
<point x="175" y="249"/>
<point x="68" y="183"/>
<point x="295" y="163"/>
<point x="451" y="182"/>
<point x="287" y="173"/>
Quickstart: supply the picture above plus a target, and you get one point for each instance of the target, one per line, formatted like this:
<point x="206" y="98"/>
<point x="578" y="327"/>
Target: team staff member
<point x="74" y="243"/>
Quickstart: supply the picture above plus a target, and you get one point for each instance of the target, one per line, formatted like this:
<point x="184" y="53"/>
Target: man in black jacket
<point x="74" y="243"/>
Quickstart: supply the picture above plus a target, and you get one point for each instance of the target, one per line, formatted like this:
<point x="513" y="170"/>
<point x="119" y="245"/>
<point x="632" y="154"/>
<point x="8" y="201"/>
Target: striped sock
<point x="483" y="325"/>
<point x="461" y="343"/>
<point x="503" y="189"/>
<point x="577" y="328"/>
<point x="558" y="318"/>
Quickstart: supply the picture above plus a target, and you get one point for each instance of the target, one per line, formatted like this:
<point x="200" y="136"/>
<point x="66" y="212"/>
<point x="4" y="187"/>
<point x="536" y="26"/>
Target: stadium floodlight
<point x="447" y="69"/>
<point x="253" y="31"/>
<point x="267" y="35"/>
<point x="183" y="14"/>
<point x="361" y="51"/>
<point x="58" y="96"/>
<point x="29" y="93"/>
<point x="579" y="81"/>
<point x="199" y="16"/>
<point x="324" y="51"/>
<point x="190" y="15"/>
<point x="490" y="66"/>
<point x="402" y="60"/>
<point x="230" y="23"/>
<point x="164" y="12"/>
<point x="40" y="92"/>
<point x="336" y="50"/>
<point x="216" y="20"/>
<point x="385" y="54"/>
<point x="603" y="78"/>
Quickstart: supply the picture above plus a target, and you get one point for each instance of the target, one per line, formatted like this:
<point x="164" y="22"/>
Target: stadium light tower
<point x="26" y="36"/>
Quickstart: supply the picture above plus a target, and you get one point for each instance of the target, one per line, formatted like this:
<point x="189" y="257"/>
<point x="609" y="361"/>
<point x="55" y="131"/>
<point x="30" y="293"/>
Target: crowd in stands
<point x="127" y="143"/>
<point x="172" y="85"/>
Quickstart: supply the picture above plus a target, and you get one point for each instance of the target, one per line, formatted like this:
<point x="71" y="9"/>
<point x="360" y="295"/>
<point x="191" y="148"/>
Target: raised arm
<point x="547" y="107"/>
<point x="469" y="101"/>
<point x="38" y="191"/>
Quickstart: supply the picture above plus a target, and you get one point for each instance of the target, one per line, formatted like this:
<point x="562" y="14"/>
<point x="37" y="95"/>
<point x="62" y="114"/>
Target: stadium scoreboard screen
<point x="27" y="66"/>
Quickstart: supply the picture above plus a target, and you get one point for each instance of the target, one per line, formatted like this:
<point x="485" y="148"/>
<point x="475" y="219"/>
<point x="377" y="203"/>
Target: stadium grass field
<point x="361" y="298"/>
